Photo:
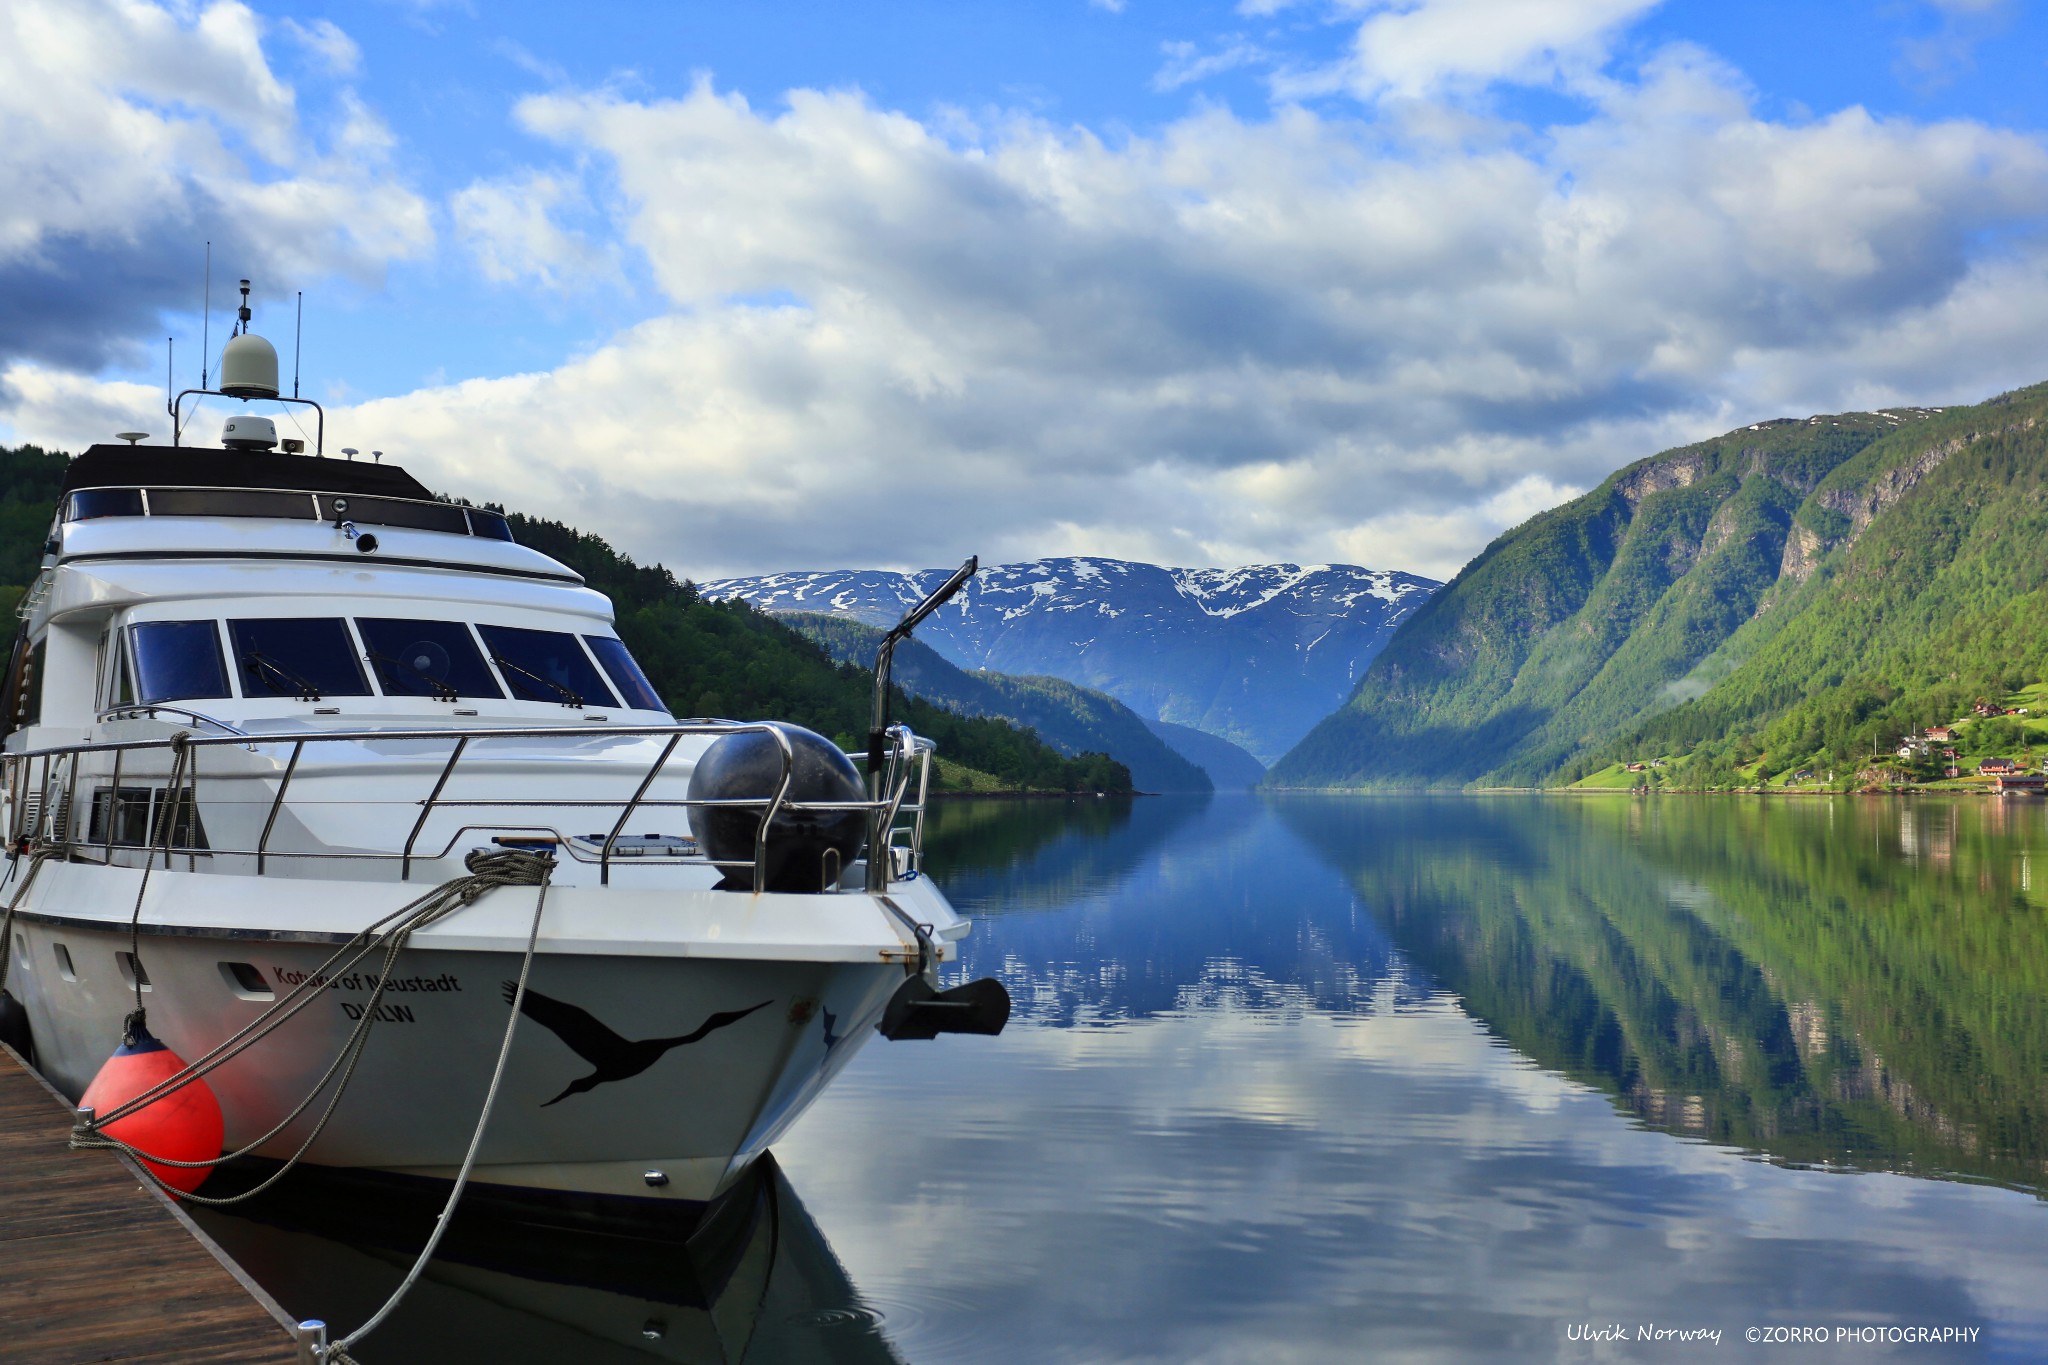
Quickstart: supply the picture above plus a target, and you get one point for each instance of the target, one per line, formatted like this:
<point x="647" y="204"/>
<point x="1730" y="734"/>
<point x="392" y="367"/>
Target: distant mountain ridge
<point x="1794" y="593"/>
<point x="1254" y="655"/>
<point x="1073" y="719"/>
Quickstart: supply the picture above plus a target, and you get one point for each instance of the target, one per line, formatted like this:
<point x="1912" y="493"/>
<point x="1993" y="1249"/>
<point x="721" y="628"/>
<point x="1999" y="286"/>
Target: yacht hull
<point x="645" y="1066"/>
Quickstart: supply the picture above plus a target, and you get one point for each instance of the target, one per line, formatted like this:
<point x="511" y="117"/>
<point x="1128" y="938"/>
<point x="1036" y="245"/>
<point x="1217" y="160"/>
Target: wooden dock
<point x="96" y="1265"/>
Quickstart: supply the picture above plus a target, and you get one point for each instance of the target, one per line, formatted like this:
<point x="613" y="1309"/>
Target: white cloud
<point x="1186" y="64"/>
<point x="1307" y="337"/>
<point x="1234" y="341"/>
<point x="131" y="133"/>
<point x="326" y="41"/>
<point x="1935" y="59"/>
<point x="1414" y="50"/>
<point x="510" y="225"/>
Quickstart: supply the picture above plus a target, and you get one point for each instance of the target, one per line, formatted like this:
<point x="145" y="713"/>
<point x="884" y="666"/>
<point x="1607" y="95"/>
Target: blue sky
<point x="788" y="286"/>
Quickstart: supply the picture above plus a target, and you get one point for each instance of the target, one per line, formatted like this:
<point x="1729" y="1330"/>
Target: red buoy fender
<point x="185" y="1125"/>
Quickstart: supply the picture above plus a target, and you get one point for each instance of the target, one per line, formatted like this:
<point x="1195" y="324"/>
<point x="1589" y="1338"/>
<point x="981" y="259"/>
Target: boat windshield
<point x="308" y="657"/>
<point x="426" y="658"/>
<point x="178" y="661"/>
<point x="546" y="665"/>
<point x="620" y="667"/>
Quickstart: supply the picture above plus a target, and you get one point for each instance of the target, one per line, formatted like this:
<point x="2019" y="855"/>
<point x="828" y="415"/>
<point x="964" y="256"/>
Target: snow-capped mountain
<point x="1255" y="655"/>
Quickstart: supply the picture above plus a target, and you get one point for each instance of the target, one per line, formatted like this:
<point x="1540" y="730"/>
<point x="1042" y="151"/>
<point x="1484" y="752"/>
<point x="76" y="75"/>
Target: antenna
<point x="242" y="313"/>
<point x="206" y="317"/>
<point x="297" y="327"/>
<point x="170" y="359"/>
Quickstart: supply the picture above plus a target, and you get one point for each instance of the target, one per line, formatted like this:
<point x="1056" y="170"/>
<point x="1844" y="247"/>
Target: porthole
<point x="132" y="971"/>
<point x="246" y="981"/>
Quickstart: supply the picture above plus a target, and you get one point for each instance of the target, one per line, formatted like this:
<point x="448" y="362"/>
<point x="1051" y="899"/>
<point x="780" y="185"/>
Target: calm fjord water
<point x="1328" y="1079"/>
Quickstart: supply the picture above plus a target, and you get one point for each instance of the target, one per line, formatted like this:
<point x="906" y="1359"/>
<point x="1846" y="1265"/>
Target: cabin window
<point x="426" y="659"/>
<point x="133" y="817"/>
<point x="620" y="666"/>
<point x="307" y="657"/>
<point x="116" y="685"/>
<point x="89" y="504"/>
<point x="546" y="665"/>
<point x="229" y="502"/>
<point x="121" y="686"/>
<point x="421" y="516"/>
<point x="177" y="660"/>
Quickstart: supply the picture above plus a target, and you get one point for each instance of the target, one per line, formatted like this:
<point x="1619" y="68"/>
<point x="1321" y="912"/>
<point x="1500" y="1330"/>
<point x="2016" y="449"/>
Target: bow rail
<point x="41" y="789"/>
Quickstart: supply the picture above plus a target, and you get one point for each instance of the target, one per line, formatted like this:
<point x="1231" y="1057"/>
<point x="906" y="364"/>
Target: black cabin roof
<point x="140" y="466"/>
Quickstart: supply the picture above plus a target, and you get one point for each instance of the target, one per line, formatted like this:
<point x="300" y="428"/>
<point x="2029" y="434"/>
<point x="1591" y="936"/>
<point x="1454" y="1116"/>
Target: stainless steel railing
<point x="41" y="790"/>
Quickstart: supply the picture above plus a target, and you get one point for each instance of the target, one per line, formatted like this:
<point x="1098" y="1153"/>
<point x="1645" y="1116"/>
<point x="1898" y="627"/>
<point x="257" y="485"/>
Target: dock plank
<point x="97" y="1266"/>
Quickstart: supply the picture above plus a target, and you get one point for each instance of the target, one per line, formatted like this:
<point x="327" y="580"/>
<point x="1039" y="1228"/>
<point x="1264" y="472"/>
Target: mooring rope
<point x="338" y="1353"/>
<point x="174" y="792"/>
<point x="487" y="870"/>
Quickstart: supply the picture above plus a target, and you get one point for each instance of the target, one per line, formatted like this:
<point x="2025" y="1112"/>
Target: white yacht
<point x="260" y="700"/>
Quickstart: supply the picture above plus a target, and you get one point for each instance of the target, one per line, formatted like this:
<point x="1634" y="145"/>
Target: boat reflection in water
<point x="755" y="1282"/>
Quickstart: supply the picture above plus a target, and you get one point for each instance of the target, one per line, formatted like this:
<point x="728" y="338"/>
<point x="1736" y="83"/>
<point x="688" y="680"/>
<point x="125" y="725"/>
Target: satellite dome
<point x="248" y="367"/>
<point x="249" y="432"/>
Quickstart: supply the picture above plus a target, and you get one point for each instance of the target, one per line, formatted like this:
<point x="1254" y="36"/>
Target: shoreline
<point x="1900" y="789"/>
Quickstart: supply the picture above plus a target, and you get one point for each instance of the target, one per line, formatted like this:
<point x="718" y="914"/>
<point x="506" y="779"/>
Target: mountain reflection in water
<point x="1329" y="1079"/>
<point x="1853" y="982"/>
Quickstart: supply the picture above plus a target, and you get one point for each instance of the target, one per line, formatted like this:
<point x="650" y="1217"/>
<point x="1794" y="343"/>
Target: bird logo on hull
<point x="615" y="1058"/>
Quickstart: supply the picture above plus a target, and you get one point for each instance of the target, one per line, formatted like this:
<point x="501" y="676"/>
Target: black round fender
<point x="807" y="850"/>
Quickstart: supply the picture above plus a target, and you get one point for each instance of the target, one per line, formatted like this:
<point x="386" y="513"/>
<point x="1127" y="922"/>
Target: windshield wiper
<point x="568" y="698"/>
<point x="442" y="691"/>
<point x="254" y="659"/>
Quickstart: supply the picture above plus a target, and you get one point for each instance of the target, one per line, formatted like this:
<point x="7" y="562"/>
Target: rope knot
<point x="508" y="867"/>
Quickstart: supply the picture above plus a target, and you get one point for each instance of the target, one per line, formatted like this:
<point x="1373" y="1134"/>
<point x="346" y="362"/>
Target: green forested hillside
<point x="1917" y="607"/>
<point x="30" y="478"/>
<point x="1073" y="719"/>
<point x="705" y="659"/>
<point x="1802" y="589"/>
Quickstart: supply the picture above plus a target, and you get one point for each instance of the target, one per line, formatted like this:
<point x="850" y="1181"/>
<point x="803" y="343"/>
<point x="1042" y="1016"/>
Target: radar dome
<point x="248" y="367"/>
<point x="249" y="432"/>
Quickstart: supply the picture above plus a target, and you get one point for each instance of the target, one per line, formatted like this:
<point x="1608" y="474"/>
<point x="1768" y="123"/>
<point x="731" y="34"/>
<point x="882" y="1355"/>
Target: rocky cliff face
<point x="1254" y="655"/>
